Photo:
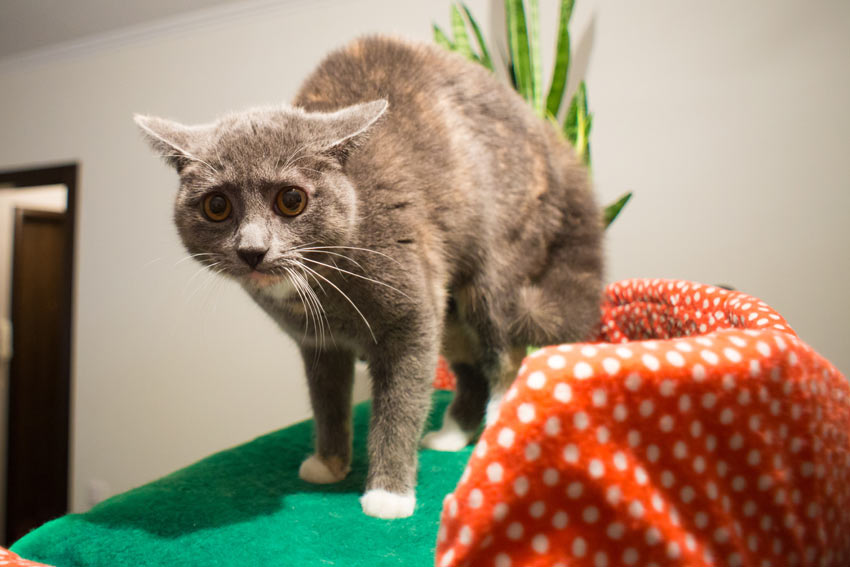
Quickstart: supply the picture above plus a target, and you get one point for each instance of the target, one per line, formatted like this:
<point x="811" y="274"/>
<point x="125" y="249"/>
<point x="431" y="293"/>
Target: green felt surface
<point x="247" y="506"/>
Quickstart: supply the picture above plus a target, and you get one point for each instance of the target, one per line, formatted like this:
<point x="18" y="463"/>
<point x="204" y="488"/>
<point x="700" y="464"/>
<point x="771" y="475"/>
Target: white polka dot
<point x="633" y="437"/>
<point x="721" y="535"/>
<point x="708" y="400"/>
<point x="687" y="494"/>
<point x="684" y="346"/>
<point x="750" y="508"/>
<point x="506" y="437"/>
<point x="701" y="520"/>
<point x="666" y="423"/>
<point x="633" y="381"/>
<point x="590" y="514"/>
<point x="739" y="483"/>
<point x="582" y="370"/>
<point x="502" y="560"/>
<point x="673" y="550"/>
<point x="657" y="502"/>
<point x="532" y="451"/>
<point x="753" y="458"/>
<point x="620" y="461"/>
<point x="599" y="397"/>
<point x="711" y="491"/>
<point x="684" y="403"/>
<point x="539" y="543"/>
<point x="537" y="509"/>
<point x="611" y="365"/>
<point x="515" y="531"/>
<point x="494" y="472"/>
<point x="559" y="520"/>
<point x="602" y="434"/>
<point x="699" y="464"/>
<point x="563" y="392"/>
<point x="556" y="362"/>
<point x="452" y="508"/>
<point x="476" y="498"/>
<point x="623" y="352"/>
<point x="521" y="486"/>
<point x="675" y="358"/>
<point x="596" y="468"/>
<point x="615" y="530"/>
<point x="652" y="453"/>
<point x="580" y="420"/>
<point x="571" y="453"/>
<point x="763" y="349"/>
<point x="481" y="448"/>
<point x="600" y="559"/>
<point x="630" y="556"/>
<point x="680" y="450"/>
<point x="525" y="413"/>
<point x="731" y="354"/>
<point x="500" y="511"/>
<point x="465" y="536"/>
<point x="613" y="495"/>
<point x="727" y="416"/>
<point x="552" y="426"/>
<point x="709" y="356"/>
<point x="550" y="477"/>
<point x="646" y="408"/>
<point x="698" y="372"/>
<point x="650" y="362"/>
<point x="588" y="350"/>
<point x="575" y="489"/>
<point x="641" y="476"/>
<point x="667" y="479"/>
<point x="636" y="509"/>
<point x="653" y="536"/>
<point x="736" y="441"/>
<point x="448" y="557"/>
<point x="620" y="412"/>
<point x="536" y="380"/>
<point x="579" y="547"/>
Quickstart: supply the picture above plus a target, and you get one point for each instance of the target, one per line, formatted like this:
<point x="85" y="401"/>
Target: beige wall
<point x="727" y="119"/>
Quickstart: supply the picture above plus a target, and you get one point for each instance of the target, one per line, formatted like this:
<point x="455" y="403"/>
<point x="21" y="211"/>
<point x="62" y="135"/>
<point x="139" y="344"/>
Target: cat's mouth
<point x="262" y="280"/>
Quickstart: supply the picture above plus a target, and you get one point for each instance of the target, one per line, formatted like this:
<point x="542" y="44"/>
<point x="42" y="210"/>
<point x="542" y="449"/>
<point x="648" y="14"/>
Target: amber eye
<point x="217" y="207"/>
<point x="291" y="201"/>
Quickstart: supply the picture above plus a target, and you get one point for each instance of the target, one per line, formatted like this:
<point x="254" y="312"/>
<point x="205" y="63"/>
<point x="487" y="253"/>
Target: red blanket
<point x="700" y="431"/>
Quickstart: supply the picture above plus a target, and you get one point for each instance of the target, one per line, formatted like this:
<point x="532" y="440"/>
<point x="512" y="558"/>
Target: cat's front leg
<point x="402" y="371"/>
<point x="330" y="376"/>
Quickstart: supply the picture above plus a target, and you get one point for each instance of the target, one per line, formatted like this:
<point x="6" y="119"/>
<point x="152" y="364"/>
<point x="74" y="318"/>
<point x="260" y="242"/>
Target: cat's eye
<point x="217" y="207"/>
<point x="290" y="201"/>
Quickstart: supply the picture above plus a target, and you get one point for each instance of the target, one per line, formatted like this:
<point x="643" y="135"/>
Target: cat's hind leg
<point x="464" y="414"/>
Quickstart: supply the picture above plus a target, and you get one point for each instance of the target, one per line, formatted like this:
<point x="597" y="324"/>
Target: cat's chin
<point x="260" y="280"/>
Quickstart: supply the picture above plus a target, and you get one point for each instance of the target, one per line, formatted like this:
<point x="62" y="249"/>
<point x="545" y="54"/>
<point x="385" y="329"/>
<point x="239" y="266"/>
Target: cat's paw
<point x="317" y="471"/>
<point x="387" y="505"/>
<point x="447" y="440"/>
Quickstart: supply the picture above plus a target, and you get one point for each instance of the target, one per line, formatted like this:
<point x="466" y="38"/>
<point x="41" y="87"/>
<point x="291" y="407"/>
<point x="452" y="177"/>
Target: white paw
<point x="387" y="505"/>
<point x="446" y="440"/>
<point x="315" y="471"/>
<point x="493" y="407"/>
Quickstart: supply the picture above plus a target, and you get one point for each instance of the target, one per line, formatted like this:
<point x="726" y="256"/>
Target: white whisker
<point x="357" y="276"/>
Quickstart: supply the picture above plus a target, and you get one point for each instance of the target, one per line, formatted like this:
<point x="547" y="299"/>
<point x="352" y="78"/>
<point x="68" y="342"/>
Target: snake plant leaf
<point x="534" y="58"/>
<point x="562" y="61"/>
<point x="441" y="39"/>
<point x="582" y="142"/>
<point x="610" y="212"/>
<point x="571" y="121"/>
<point x="479" y="37"/>
<point x="518" y="41"/>
<point x="461" y="38"/>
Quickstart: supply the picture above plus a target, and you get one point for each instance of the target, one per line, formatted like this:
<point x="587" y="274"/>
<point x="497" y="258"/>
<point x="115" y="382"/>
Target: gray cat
<point x="407" y="204"/>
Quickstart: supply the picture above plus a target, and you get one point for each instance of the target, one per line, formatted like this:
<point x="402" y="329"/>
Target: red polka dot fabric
<point x="700" y="431"/>
<point x="9" y="559"/>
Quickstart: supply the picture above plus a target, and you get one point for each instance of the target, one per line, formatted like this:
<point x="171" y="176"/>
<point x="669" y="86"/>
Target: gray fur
<point x="448" y="214"/>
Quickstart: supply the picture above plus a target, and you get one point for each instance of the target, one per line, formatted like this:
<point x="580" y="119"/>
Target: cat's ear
<point x="348" y="126"/>
<point x="171" y="140"/>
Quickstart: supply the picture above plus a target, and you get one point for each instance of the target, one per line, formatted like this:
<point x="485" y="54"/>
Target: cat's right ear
<point x="171" y="140"/>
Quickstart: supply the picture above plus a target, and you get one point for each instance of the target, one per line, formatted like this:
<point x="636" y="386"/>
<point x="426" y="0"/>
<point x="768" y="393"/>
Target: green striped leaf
<point x="562" y="61"/>
<point x="479" y="37"/>
<point x="461" y="38"/>
<point x="610" y="212"/>
<point x="518" y="40"/>
<point x="582" y="143"/>
<point x="441" y="39"/>
<point x="534" y="57"/>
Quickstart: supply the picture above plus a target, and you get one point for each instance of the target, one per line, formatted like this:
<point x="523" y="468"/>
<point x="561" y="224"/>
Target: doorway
<point x="37" y="238"/>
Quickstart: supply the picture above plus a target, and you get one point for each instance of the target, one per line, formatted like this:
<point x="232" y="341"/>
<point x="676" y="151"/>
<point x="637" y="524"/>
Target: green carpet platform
<point x="247" y="506"/>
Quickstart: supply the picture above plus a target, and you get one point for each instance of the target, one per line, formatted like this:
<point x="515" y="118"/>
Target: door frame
<point x="63" y="174"/>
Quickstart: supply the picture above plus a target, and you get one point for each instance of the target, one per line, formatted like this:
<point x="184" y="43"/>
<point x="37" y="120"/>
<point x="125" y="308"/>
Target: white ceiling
<point x="27" y="25"/>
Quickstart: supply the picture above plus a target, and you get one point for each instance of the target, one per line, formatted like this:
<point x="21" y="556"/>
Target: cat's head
<point x="258" y="185"/>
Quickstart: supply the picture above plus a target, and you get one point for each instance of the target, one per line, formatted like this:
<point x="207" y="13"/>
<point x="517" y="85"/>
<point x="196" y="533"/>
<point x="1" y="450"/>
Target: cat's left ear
<point x="346" y="127"/>
<point x="173" y="141"/>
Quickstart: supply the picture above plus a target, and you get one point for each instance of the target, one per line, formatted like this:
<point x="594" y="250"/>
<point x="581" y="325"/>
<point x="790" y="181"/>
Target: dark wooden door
<point x="36" y="485"/>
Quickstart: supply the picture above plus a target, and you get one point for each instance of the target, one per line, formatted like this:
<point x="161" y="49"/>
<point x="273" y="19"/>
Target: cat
<point x="406" y="204"/>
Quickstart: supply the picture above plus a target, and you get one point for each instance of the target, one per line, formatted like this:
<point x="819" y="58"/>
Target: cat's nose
<point x="252" y="256"/>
